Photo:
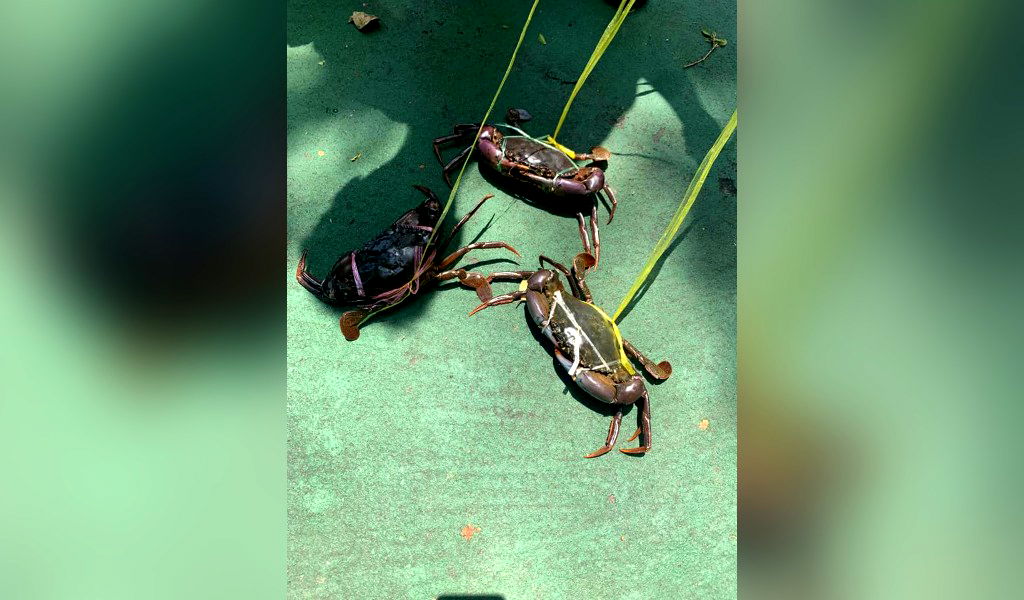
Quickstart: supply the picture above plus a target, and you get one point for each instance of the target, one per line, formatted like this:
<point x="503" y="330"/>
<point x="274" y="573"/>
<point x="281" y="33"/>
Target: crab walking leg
<point x="454" y="256"/>
<point x="583" y="233"/>
<point x="441" y="141"/>
<point x="593" y="230"/>
<point x="613" y="433"/>
<point x="306" y="280"/>
<point x="460" y="132"/>
<point x="463" y="220"/>
<point x="661" y="370"/>
<point x="644" y="430"/>
<point x="455" y="163"/>
<point x="481" y="283"/>
<point x="611" y="196"/>
<point x="499" y="300"/>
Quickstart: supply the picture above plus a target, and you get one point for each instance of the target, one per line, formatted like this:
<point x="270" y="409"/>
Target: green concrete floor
<point x="433" y="422"/>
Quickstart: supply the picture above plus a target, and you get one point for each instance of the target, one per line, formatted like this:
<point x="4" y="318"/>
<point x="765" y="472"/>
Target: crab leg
<point x="481" y="283"/>
<point x="454" y="164"/>
<point x="584" y="237"/>
<point x="306" y="280"/>
<point x="644" y="431"/>
<point x="613" y="433"/>
<point x="499" y="300"/>
<point x="463" y="220"/>
<point x="661" y="370"/>
<point x="593" y="231"/>
<point x="611" y="196"/>
<point x="454" y="256"/>
<point x="460" y="132"/>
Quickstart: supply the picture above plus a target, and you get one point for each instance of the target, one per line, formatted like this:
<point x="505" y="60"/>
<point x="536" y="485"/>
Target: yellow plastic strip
<point x="602" y="44"/>
<point x="567" y="151"/>
<point x="677" y="220"/>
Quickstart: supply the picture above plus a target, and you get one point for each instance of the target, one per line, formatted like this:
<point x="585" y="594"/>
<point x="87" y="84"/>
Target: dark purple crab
<point x="400" y="262"/>
<point x="588" y="345"/>
<point x="540" y="164"/>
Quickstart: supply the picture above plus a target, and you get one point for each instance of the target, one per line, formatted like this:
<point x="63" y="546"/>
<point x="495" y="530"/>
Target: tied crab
<point x="543" y="165"/>
<point x="400" y="262"/>
<point x="588" y="345"/>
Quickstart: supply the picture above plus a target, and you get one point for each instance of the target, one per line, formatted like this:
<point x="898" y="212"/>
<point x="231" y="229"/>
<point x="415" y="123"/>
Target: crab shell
<point x="546" y="167"/>
<point x="385" y="262"/>
<point x="587" y="342"/>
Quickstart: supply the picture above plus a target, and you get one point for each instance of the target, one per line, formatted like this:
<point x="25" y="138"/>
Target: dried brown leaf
<point x="363" y="20"/>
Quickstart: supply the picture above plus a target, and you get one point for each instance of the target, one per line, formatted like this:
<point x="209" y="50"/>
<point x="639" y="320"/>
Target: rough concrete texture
<point x="443" y="455"/>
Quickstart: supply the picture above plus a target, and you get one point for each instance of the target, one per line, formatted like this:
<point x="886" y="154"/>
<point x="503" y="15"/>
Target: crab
<point x="400" y="262"/>
<point x="588" y="345"/>
<point x="542" y="164"/>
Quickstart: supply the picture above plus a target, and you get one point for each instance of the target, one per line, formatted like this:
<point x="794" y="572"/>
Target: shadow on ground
<point x="442" y="64"/>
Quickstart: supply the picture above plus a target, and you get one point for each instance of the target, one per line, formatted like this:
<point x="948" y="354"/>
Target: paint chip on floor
<point x="469" y="531"/>
<point x="704" y="424"/>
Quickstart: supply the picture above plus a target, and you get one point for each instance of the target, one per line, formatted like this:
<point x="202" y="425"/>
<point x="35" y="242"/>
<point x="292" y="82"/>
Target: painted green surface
<point x="433" y="421"/>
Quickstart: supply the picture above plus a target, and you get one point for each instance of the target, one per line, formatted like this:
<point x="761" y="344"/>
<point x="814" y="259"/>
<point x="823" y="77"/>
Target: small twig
<point x="701" y="59"/>
<point x="715" y="41"/>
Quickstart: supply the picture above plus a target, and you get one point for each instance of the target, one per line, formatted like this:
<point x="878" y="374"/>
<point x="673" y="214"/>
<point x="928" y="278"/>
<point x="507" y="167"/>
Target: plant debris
<point x="540" y="37"/>
<point x="356" y="157"/>
<point x="364" y="21"/>
<point x="716" y="42"/>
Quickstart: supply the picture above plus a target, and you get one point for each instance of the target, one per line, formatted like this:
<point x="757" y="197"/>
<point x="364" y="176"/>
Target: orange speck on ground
<point x="704" y="424"/>
<point x="469" y="531"/>
<point x="320" y="153"/>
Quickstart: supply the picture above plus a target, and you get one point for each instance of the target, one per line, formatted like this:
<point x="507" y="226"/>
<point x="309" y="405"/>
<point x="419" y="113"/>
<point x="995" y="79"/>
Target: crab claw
<point x="499" y="300"/>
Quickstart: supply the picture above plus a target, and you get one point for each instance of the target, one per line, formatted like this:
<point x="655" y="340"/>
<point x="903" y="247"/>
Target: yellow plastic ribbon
<point x="602" y="44"/>
<point x="684" y="208"/>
